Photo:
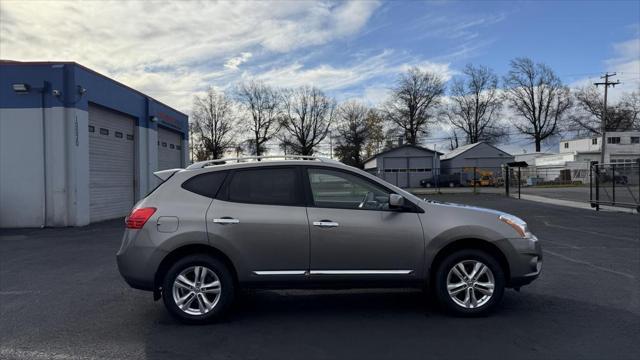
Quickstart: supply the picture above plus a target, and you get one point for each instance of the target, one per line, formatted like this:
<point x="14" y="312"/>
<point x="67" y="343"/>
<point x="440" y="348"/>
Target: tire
<point x="206" y="304"/>
<point x="479" y="290"/>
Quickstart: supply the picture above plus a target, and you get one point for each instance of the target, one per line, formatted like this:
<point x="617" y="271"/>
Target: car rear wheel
<point x="469" y="283"/>
<point x="198" y="289"/>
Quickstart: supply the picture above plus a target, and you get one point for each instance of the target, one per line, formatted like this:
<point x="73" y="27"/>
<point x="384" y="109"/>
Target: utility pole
<point x="606" y="84"/>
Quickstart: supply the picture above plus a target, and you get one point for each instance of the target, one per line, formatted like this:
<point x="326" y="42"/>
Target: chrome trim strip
<point x="280" y="272"/>
<point x="361" y="272"/>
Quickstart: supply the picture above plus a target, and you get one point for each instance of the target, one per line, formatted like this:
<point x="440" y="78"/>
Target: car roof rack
<point x="214" y="162"/>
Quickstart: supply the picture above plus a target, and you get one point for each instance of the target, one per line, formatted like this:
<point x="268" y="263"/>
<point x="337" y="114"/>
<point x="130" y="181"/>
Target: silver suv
<point x="221" y="225"/>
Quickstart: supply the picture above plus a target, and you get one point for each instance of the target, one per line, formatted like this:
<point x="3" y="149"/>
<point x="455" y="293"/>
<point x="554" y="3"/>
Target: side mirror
<point x="396" y="201"/>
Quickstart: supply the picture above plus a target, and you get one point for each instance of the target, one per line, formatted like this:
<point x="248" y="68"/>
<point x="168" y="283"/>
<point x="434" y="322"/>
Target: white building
<point x="577" y="155"/>
<point x="621" y="147"/>
<point x="77" y="147"/>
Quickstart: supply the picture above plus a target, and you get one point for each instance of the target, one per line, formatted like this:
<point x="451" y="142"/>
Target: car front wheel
<point x="198" y="289"/>
<point x="469" y="283"/>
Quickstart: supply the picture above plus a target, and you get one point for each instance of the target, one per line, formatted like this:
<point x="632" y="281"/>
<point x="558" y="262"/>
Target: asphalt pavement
<point x="61" y="297"/>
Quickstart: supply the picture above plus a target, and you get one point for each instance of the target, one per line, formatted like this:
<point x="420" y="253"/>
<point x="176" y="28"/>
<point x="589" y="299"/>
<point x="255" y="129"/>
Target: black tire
<point x="442" y="272"/>
<point x="226" y="294"/>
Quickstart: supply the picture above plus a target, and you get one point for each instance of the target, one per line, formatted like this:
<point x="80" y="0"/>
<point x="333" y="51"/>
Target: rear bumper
<point x="138" y="260"/>
<point x="128" y="275"/>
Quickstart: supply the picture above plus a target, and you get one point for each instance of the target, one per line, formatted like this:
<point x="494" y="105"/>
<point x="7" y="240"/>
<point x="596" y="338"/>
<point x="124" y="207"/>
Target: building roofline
<point x="28" y="63"/>
<point x="471" y="146"/>
<point x="400" y="147"/>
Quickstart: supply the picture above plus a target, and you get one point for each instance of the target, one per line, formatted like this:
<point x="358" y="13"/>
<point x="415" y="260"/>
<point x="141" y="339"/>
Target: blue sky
<point x="352" y="50"/>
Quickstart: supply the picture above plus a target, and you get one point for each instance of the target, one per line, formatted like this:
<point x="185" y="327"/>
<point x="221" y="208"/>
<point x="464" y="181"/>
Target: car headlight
<point x="516" y="223"/>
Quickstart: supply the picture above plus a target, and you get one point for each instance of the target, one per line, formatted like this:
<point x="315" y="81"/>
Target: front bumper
<point x="525" y="260"/>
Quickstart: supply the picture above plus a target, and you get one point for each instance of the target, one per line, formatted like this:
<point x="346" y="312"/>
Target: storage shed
<point x="480" y="155"/>
<point x="405" y="165"/>
<point x="78" y="147"/>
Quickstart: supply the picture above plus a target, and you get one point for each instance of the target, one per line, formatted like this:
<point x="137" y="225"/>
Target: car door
<point x="260" y="218"/>
<point x="354" y="234"/>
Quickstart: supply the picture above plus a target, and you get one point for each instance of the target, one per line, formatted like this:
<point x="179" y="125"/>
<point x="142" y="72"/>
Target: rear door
<point x="354" y="234"/>
<point x="260" y="217"/>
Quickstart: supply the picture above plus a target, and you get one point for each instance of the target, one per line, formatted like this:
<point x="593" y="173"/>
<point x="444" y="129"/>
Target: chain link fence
<point x="615" y="184"/>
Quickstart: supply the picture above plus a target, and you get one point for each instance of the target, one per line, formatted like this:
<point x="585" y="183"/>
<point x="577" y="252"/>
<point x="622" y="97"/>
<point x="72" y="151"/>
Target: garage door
<point x="419" y="168"/>
<point x="111" y="164"/>
<point x="169" y="149"/>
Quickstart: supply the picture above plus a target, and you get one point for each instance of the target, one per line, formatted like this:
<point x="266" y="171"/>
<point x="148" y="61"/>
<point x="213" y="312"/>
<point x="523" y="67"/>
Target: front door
<point x="259" y="217"/>
<point x="353" y="232"/>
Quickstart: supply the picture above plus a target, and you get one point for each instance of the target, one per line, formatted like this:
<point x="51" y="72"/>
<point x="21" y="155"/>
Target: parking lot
<point x="61" y="297"/>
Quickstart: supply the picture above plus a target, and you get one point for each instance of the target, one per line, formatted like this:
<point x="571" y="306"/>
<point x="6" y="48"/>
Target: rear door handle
<point x="226" y="220"/>
<point x="326" y="223"/>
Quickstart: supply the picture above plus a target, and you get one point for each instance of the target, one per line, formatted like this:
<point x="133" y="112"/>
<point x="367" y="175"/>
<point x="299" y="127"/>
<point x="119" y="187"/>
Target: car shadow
<point x="398" y="324"/>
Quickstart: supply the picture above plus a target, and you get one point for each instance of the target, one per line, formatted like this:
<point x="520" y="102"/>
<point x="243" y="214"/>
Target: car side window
<point x="269" y="186"/>
<point x="338" y="189"/>
<point x="206" y="184"/>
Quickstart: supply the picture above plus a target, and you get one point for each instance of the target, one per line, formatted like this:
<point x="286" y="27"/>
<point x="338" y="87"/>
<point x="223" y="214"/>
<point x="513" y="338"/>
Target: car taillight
<point x="139" y="217"/>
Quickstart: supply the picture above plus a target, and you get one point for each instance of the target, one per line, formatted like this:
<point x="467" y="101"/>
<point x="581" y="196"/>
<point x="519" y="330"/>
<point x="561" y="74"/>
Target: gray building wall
<point x="482" y="156"/>
<point x="405" y="166"/>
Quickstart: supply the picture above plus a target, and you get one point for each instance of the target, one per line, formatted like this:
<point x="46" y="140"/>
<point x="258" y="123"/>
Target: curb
<point x="575" y="204"/>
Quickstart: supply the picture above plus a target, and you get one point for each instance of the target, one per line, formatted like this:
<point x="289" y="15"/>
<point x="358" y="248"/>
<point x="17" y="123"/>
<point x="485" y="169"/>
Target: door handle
<point x="226" y="220"/>
<point x="326" y="223"/>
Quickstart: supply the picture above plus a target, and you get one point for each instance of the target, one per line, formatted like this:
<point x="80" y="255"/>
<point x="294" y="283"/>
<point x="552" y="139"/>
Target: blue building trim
<point x="68" y="78"/>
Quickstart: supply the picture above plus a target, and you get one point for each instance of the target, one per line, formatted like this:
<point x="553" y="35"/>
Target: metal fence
<point x="463" y="179"/>
<point x="615" y="184"/>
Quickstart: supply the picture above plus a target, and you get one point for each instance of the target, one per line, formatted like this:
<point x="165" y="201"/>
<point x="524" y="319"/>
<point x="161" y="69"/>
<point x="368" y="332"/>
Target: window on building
<point x="171" y="146"/>
<point x="566" y="145"/>
<point x="104" y="131"/>
<point x="594" y="141"/>
<point x="164" y="144"/>
<point x="92" y="128"/>
<point x="279" y="186"/>
<point x="337" y="189"/>
<point x="613" y="140"/>
<point x="119" y="134"/>
<point x="129" y="137"/>
<point x="635" y="139"/>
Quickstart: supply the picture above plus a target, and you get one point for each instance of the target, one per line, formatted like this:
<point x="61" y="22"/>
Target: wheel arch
<point x="187" y="250"/>
<point x="469" y="243"/>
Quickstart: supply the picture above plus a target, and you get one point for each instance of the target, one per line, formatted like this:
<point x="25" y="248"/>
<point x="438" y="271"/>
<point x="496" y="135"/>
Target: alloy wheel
<point x="196" y="290"/>
<point x="470" y="284"/>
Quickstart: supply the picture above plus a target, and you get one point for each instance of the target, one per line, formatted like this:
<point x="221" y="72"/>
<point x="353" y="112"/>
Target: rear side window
<point x="205" y="184"/>
<point x="279" y="186"/>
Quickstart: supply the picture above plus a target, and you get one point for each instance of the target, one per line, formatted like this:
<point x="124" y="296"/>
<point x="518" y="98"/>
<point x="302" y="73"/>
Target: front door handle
<point x="226" y="220"/>
<point x="326" y="223"/>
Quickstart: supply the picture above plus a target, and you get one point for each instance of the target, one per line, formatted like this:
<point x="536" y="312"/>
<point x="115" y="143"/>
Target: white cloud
<point x="175" y="43"/>
<point x="234" y="62"/>
<point x="626" y="63"/>
<point x="370" y="74"/>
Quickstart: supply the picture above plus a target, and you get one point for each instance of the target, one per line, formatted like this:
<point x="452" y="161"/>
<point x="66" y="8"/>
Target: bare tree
<point x="453" y="140"/>
<point x="375" y="125"/>
<point x="213" y="121"/>
<point x="263" y="103"/>
<point x="475" y="105"/>
<point x="196" y="146"/>
<point x="623" y="116"/>
<point x="353" y="133"/>
<point x="413" y="102"/>
<point x="308" y="115"/>
<point x="538" y="97"/>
